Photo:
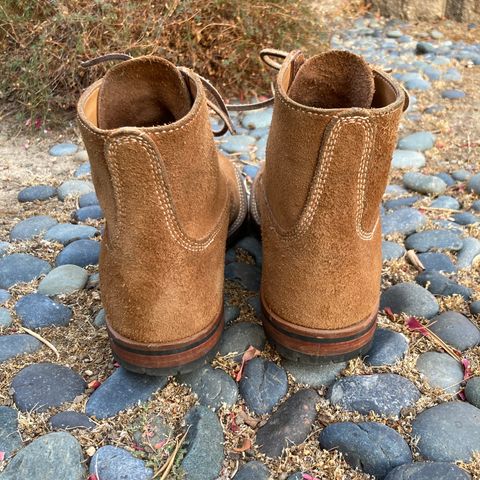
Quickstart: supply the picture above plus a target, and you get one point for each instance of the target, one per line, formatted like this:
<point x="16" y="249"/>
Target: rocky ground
<point x="409" y="409"/>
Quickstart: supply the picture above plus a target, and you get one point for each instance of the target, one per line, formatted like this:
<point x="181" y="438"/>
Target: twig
<point x="167" y="467"/>
<point x="39" y="337"/>
<point x="440" y="209"/>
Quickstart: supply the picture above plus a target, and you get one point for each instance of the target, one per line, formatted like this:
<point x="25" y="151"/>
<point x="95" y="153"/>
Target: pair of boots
<point x="171" y="200"/>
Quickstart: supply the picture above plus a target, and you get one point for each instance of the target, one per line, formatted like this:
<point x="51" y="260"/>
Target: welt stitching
<point x="172" y="222"/>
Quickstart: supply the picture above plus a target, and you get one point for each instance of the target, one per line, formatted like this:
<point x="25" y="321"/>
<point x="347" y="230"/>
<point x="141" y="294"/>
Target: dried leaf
<point x="467" y="369"/>
<point x="389" y="313"/>
<point x="92" y="477"/>
<point x="94" y="384"/>
<point x="249" y="354"/>
<point x="244" y="417"/>
<point x="307" y="476"/>
<point x="160" y="445"/>
<point x="91" y="451"/>
<point x="414" y="260"/>
<point x="2" y="456"/>
<point x="233" y="424"/>
<point x="246" y="445"/>
<point x="415" y="325"/>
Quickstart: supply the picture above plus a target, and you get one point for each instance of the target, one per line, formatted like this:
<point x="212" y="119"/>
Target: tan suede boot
<point x="169" y="200"/>
<point x="333" y="132"/>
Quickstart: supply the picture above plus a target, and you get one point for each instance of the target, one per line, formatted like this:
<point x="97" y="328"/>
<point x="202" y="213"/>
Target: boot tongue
<point x="144" y="92"/>
<point x="335" y="79"/>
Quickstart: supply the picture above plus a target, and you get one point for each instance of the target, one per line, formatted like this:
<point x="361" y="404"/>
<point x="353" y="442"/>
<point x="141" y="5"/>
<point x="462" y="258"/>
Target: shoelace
<point x="215" y="102"/>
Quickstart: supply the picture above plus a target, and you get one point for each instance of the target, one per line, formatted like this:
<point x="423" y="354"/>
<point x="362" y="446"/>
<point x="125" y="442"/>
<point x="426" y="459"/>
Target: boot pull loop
<point x="267" y="54"/>
<point x="105" y="58"/>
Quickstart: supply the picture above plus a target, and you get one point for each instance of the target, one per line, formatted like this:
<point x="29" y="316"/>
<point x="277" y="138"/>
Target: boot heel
<point x="167" y="359"/>
<point x="318" y="346"/>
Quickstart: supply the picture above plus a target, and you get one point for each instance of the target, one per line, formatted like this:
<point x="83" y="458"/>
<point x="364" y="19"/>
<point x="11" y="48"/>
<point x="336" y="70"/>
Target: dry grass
<point x="45" y="41"/>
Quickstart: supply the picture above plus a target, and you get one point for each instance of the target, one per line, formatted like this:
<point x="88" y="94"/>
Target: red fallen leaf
<point x="415" y="325"/>
<point x="246" y="445"/>
<point x="92" y="477"/>
<point x="38" y="123"/>
<point x="233" y="423"/>
<point x="467" y="370"/>
<point x="138" y="448"/>
<point x="160" y="445"/>
<point x="2" y="456"/>
<point x="116" y="364"/>
<point x="94" y="384"/>
<point x="388" y="311"/>
<point x="306" y="476"/>
<point x="250" y="353"/>
<point x="461" y="395"/>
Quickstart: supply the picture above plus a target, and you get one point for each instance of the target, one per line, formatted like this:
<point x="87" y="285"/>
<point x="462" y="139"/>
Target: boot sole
<point x="167" y="359"/>
<point x="314" y="347"/>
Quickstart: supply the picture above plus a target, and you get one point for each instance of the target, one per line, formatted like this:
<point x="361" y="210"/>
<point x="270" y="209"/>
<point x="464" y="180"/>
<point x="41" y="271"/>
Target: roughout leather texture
<point x="333" y="132"/>
<point x="168" y="198"/>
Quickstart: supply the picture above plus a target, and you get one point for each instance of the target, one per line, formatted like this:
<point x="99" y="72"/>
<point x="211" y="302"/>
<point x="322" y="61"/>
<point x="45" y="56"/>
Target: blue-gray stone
<point x="240" y="336"/>
<point x="204" y="445"/>
<point x="428" y="184"/>
<point x="261" y="148"/>
<point x="230" y="313"/>
<point x="248" y="276"/>
<point x="408" y="159"/>
<point x="21" y="268"/>
<point x="4" y="296"/>
<point x="5" y="318"/>
<point x="441" y="371"/>
<point x="83" y="170"/>
<point x="63" y="149"/>
<point x="388" y="347"/>
<point x="79" y="252"/>
<point x="472" y="391"/>
<point x="56" y="455"/>
<point x="391" y="251"/>
<point x="395" y="190"/>
<point x="448" y="432"/>
<point x="74" y="188"/>
<point x="4" y="248"/>
<point x="383" y="393"/>
<point x="469" y="252"/>
<point x="465" y="218"/>
<point x="252" y="471"/>
<point x="475" y="308"/>
<point x="393" y="33"/>
<point x="238" y="144"/>
<point x="252" y="246"/>
<point x="92" y="212"/>
<point x="10" y="439"/>
<point x="437" y="261"/>
<point x="461" y="175"/>
<point x="39" y="311"/>
<point x="32" y="227"/>
<point x="441" y="285"/>
<point x="36" y="192"/>
<point x="315" y="376"/>
<point x="40" y="386"/>
<point x="428" y="471"/>
<point x="213" y="386"/>
<point x="449" y="225"/>
<point x="263" y="385"/>
<point x="70" y="420"/>
<point x="434" y="239"/>
<point x="417" y="84"/>
<point x="250" y="171"/>
<point x="403" y="220"/>
<point x="88" y="199"/>
<point x="254" y="302"/>
<point x="445" y="201"/>
<point x="122" y="390"/>
<point x="17" y="344"/>
<point x="289" y="425"/>
<point x="397" y="203"/>
<point x="456" y="330"/>
<point x="476" y="205"/>
<point x="411" y="299"/>
<point x="66" y="233"/>
<point x="474" y="184"/>
<point x="99" y="320"/>
<point x="453" y="94"/>
<point x="258" y="119"/>
<point x="418" y="141"/>
<point x="446" y="178"/>
<point x="63" y="280"/>
<point x="432" y="73"/>
<point x="114" y="463"/>
<point x="434" y="109"/>
<point x="371" y="447"/>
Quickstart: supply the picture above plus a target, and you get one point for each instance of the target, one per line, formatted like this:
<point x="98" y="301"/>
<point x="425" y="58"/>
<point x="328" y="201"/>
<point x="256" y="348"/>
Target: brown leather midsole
<point x="154" y="355"/>
<point x="321" y="343"/>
